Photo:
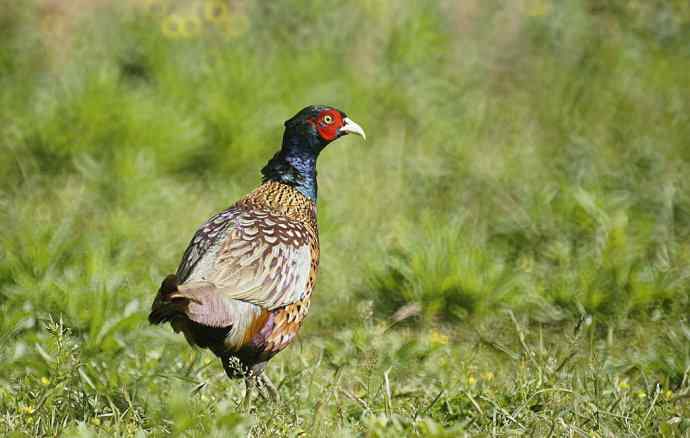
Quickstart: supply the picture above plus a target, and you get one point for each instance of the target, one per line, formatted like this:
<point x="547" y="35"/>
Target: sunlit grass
<point x="522" y="197"/>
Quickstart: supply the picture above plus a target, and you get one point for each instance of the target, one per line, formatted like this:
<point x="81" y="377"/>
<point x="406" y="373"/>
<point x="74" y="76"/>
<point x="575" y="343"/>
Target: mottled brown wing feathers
<point x="203" y="239"/>
<point x="265" y="260"/>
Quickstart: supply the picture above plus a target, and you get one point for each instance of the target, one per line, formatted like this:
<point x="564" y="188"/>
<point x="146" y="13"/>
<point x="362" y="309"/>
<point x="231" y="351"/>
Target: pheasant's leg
<point x="261" y="389"/>
<point x="270" y="387"/>
<point x="250" y="383"/>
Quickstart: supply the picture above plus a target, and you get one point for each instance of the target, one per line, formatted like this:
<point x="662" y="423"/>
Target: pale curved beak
<point x="350" y="127"/>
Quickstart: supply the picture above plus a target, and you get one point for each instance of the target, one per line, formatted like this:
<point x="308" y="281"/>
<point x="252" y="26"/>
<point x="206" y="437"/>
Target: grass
<point x="506" y="255"/>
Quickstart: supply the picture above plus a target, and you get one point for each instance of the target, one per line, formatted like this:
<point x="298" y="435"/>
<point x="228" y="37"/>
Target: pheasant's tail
<point x="164" y="308"/>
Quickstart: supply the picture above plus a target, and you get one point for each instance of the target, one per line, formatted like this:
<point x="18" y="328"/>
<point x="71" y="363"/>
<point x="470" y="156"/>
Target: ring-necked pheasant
<point x="244" y="284"/>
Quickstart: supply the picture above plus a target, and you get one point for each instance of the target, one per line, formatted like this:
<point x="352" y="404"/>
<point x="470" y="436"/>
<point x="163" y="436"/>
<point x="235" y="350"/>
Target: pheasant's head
<point x="306" y="134"/>
<point x="315" y="126"/>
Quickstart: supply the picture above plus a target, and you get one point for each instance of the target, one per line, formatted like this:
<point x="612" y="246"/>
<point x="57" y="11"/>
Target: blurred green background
<point x="526" y="170"/>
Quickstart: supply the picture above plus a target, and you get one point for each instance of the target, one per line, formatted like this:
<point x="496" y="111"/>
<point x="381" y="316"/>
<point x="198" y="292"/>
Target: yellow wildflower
<point x="45" y="381"/>
<point x="641" y="394"/>
<point x="471" y="380"/>
<point x="27" y="409"/>
<point x="487" y="375"/>
<point x="623" y="385"/>
<point x="668" y="394"/>
<point x="438" y="338"/>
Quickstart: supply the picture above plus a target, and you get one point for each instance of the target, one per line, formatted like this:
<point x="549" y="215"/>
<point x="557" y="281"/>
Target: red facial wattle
<point x="327" y="124"/>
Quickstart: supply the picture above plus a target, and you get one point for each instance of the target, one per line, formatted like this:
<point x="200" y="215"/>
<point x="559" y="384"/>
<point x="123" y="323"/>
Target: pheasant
<point x="244" y="284"/>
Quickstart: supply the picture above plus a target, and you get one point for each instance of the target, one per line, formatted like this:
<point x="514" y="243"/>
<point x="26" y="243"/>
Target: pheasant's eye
<point x="328" y="119"/>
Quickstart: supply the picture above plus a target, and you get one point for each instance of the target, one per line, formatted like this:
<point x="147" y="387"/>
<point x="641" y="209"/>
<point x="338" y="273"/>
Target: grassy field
<point x="508" y="254"/>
